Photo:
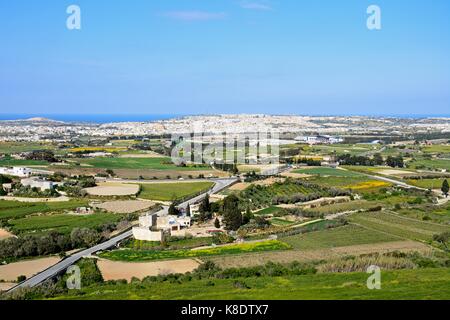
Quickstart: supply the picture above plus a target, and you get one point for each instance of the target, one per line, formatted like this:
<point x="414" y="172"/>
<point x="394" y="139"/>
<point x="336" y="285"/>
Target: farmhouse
<point x="153" y="228"/>
<point x="16" y="171"/>
<point x="38" y="183"/>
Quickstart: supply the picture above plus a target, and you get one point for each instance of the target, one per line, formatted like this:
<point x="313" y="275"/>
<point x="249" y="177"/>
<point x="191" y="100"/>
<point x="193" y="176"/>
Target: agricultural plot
<point x="418" y="284"/>
<point x="151" y="255"/>
<point x="397" y="225"/>
<point x="18" y="163"/>
<point x="438" y="148"/>
<point x="172" y="191"/>
<point x="435" y="164"/>
<point x="137" y="163"/>
<point x="16" y="210"/>
<point x="344" y="207"/>
<point x="362" y="183"/>
<point x="269" y="211"/>
<point x="344" y="149"/>
<point x="428" y="213"/>
<point x="327" y="172"/>
<point x="427" y="183"/>
<point x="18" y="147"/>
<point x="113" y="189"/>
<point x="339" y="237"/>
<point x="262" y="196"/>
<point x="62" y="223"/>
<point x="98" y="149"/>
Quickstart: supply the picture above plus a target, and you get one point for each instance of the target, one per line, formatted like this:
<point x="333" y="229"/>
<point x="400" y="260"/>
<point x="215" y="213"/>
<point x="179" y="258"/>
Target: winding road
<point x="60" y="267"/>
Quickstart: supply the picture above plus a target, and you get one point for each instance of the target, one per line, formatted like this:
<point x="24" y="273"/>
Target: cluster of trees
<point x="4" y="179"/>
<point x="445" y="188"/>
<point x="34" y="245"/>
<point x="41" y="155"/>
<point x="310" y="162"/>
<point x="27" y="191"/>
<point x="227" y="167"/>
<point x="232" y="215"/>
<point x="395" y="162"/>
<point x="75" y="187"/>
<point x="376" y="160"/>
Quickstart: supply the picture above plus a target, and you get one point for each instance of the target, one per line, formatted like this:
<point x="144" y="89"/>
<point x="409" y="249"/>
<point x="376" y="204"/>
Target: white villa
<point x="153" y="228"/>
<point x="38" y="183"/>
<point x="16" y="171"/>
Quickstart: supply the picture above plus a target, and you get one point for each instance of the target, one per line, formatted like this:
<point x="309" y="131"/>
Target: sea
<point x="112" y="118"/>
<point x="92" y="118"/>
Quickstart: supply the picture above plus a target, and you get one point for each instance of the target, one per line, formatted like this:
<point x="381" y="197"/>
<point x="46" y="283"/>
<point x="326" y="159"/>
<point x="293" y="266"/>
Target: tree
<point x="217" y="223"/>
<point x="110" y="172"/>
<point x="442" y="238"/>
<point x="445" y="188"/>
<point x="188" y="210"/>
<point x="173" y="211"/>
<point x="378" y="159"/>
<point x="2" y="192"/>
<point x="232" y="216"/>
<point x="248" y="216"/>
<point x="4" y="179"/>
<point x="205" y="206"/>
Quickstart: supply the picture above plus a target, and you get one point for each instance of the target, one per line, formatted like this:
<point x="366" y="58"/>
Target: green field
<point x="437" y="149"/>
<point x="269" y="211"/>
<point x="419" y="284"/>
<point x="172" y="191"/>
<point x="137" y="163"/>
<point x="339" y="237"/>
<point x="13" y="162"/>
<point x="327" y="172"/>
<point x="397" y="225"/>
<point x="281" y="222"/>
<point x="62" y="223"/>
<point x="18" y="147"/>
<point x="427" y="183"/>
<point x="152" y="255"/>
<point x="16" y="210"/>
<point x="435" y="164"/>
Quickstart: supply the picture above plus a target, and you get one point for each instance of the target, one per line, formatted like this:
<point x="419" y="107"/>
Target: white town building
<point x="152" y="228"/>
<point x="16" y="171"/>
<point x="38" y="183"/>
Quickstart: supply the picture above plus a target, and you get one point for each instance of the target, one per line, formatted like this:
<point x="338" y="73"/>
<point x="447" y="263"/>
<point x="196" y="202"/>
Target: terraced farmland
<point x="339" y="237"/>
<point x="328" y="172"/>
<point x="16" y="210"/>
<point x="171" y="191"/>
<point x="62" y="223"/>
<point x="151" y="255"/>
<point x="397" y="225"/>
<point x="136" y="163"/>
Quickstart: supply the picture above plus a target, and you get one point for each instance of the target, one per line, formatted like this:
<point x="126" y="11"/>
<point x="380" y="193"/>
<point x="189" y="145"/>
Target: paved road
<point x="220" y="184"/>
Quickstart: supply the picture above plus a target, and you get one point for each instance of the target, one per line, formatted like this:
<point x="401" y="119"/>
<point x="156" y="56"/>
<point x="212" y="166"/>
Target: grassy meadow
<point x="172" y="191"/>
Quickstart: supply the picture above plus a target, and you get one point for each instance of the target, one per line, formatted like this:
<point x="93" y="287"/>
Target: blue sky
<point x="225" y="56"/>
